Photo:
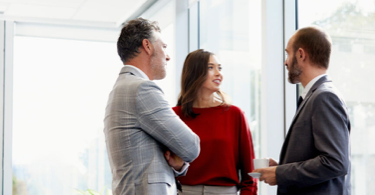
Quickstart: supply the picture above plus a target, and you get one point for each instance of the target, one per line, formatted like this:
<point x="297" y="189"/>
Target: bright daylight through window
<point x="60" y="92"/>
<point x="350" y="23"/>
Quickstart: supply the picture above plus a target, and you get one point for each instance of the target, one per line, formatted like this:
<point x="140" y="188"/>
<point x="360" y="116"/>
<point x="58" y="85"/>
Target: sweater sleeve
<point x="248" y="184"/>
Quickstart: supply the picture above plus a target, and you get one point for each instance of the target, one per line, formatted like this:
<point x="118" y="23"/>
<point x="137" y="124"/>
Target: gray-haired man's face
<point x="159" y="58"/>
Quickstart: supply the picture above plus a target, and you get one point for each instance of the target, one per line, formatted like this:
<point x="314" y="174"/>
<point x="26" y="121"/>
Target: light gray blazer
<point x="139" y="126"/>
<point x="315" y="157"/>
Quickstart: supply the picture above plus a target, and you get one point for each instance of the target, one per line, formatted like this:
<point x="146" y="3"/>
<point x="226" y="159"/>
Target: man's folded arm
<point x="156" y="117"/>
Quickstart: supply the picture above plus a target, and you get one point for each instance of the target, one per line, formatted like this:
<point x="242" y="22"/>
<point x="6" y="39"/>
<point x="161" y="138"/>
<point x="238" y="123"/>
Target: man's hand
<point x="173" y="160"/>
<point x="272" y="162"/>
<point x="268" y="175"/>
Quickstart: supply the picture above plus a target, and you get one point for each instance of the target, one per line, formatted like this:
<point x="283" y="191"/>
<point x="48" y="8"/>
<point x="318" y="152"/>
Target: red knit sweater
<point x="226" y="148"/>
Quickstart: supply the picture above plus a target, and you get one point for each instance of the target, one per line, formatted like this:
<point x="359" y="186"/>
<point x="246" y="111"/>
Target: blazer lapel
<point x="309" y="94"/>
<point x="312" y="90"/>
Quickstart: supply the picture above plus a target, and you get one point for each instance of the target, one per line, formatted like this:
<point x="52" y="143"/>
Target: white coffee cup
<point x="261" y="163"/>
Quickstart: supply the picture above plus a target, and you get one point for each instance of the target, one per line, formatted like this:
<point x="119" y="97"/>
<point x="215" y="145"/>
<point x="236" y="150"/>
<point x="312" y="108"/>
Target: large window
<point x="61" y="89"/>
<point x="60" y="93"/>
<point x="236" y="40"/>
<point x="351" y="27"/>
<point x="61" y="86"/>
<point x="165" y="16"/>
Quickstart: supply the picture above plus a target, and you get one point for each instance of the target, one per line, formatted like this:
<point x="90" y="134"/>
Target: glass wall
<point x="351" y="26"/>
<point x="236" y="40"/>
<point x="61" y="89"/>
<point x="60" y="93"/>
<point x="166" y="19"/>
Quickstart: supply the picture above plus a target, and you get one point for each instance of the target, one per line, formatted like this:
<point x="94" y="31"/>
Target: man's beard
<point x="294" y="72"/>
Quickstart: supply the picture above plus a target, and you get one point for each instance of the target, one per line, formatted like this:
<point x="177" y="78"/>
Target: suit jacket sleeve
<point x="157" y="118"/>
<point x="330" y="128"/>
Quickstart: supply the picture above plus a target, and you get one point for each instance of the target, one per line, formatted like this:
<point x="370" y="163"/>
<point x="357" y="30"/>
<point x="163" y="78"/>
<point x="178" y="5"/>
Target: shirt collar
<point x="138" y="70"/>
<point x="309" y="85"/>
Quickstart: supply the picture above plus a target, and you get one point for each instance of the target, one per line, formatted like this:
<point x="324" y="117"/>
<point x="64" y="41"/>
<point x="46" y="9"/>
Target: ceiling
<point x="102" y="13"/>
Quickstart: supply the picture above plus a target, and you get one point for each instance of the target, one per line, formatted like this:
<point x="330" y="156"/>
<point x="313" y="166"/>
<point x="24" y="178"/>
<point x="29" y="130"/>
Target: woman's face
<point x="214" y="77"/>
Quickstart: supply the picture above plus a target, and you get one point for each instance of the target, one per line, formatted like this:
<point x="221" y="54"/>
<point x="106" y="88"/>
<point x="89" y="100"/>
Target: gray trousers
<point x="208" y="190"/>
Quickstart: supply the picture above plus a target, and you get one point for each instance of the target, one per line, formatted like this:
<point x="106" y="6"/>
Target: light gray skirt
<point x="208" y="190"/>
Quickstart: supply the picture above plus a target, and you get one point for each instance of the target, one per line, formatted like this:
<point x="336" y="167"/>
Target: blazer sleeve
<point x="157" y="118"/>
<point x="330" y="128"/>
<point x="248" y="184"/>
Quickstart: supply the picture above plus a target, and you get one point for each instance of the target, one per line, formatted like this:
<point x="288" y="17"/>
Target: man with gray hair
<point x="144" y="137"/>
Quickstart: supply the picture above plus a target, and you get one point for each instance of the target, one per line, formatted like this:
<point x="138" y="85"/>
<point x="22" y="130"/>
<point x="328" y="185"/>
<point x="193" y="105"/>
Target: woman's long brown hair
<point x="194" y="74"/>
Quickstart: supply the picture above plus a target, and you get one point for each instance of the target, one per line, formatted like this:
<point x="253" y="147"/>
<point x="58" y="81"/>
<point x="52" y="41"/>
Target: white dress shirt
<point x="143" y="74"/>
<point x="309" y="85"/>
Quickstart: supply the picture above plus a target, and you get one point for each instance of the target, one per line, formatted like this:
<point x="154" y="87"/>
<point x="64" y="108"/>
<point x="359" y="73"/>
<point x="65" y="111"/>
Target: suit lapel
<point x="309" y="94"/>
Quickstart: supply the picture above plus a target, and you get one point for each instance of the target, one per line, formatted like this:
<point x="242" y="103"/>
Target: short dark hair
<point x="317" y="44"/>
<point x="132" y="35"/>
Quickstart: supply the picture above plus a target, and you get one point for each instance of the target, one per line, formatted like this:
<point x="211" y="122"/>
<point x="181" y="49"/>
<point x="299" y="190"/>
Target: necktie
<point x="299" y="101"/>
<point x="179" y="187"/>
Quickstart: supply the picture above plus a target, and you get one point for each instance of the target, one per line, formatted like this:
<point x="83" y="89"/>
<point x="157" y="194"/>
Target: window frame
<point x="7" y="88"/>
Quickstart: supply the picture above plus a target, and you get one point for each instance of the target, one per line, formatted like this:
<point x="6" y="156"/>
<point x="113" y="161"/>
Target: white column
<point x="8" y="107"/>
<point x="182" y="38"/>
<point x="290" y="89"/>
<point x="194" y="26"/>
<point x="272" y="106"/>
<point x="2" y="32"/>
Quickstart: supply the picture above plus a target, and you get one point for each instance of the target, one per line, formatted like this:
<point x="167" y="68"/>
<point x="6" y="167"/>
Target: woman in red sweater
<point x="226" y="146"/>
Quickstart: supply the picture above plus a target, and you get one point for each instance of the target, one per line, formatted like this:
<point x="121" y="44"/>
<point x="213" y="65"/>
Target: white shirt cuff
<point x="183" y="170"/>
